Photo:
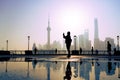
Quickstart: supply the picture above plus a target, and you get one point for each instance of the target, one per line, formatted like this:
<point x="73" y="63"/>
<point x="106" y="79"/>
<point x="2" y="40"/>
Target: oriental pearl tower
<point x="48" y="34"/>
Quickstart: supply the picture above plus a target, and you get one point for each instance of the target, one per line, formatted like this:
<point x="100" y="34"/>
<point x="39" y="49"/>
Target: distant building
<point x="102" y="45"/>
<point x="87" y="42"/>
<point x="56" y="45"/>
<point x="96" y="32"/>
<point x="48" y="35"/>
<point x="81" y="41"/>
<point x="84" y="41"/>
<point x="111" y="42"/>
<point x="96" y="35"/>
<point x="64" y="46"/>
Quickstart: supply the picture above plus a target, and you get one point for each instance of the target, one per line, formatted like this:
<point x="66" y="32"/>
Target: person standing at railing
<point x="92" y="50"/>
<point x="108" y="47"/>
<point x="80" y="50"/>
<point x="68" y="41"/>
<point x="34" y="49"/>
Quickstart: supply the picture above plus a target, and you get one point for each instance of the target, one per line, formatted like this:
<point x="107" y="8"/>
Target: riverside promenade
<point x="56" y="53"/>
<point x="53" y="55"/>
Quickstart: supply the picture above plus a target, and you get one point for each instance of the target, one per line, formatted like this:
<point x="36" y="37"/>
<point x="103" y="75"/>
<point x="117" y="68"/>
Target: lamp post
<point x="75" y="42"/>
<point x="7" y="45"/>
<point x="28" y="61"/>
<point x="28" y="41"/>
<point x="118" y="42"/>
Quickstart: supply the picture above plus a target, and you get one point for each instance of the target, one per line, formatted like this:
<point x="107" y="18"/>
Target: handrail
<point x="61" y="52"/>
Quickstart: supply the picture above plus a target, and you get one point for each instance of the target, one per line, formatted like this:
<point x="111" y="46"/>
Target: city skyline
<point x="20" y="19"/>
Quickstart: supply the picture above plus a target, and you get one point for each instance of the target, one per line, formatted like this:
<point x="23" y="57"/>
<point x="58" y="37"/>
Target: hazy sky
<point x="22" y="18"/>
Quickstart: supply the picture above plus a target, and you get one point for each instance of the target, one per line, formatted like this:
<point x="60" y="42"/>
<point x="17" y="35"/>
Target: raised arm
<point x="64" y="35"/>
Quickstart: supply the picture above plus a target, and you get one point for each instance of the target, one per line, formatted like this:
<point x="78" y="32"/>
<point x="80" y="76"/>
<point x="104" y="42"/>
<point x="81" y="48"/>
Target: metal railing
<point x="86" y="52"/>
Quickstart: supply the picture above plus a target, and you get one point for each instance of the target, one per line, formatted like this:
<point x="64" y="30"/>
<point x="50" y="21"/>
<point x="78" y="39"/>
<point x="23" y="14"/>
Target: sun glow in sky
<point x="22" y="18"/>
<point x="70" y="18"/>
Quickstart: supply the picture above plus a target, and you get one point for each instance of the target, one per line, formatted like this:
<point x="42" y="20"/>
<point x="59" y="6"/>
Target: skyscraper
<point x="48" y="34"/>
<point x="96" y="34"/>
<point x="84" y="41"/>
<point x="87" y="42"/>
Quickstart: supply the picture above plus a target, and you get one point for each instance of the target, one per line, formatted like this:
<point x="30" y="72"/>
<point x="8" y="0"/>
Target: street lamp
<point x="7" y="45"/>
<point x="75" y="42"/>
<point x="28" y="61"/>
<point x="28" y="41"/>
<point x="118" y="42"/>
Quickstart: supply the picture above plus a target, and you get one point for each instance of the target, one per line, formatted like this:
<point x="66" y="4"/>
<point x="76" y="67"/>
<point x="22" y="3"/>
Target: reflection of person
<point x="34" y="62"/>
<point x="109" y="67"/>
<point x="96" y="51"/>
<point x="68" y="72"/>
<point x="68" y="41"/>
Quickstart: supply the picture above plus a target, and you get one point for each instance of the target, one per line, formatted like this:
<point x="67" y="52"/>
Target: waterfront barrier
<point x="75" y="52"/>
<point x="4" y="52"/>
<point x="28" y="52"/>
<point x="58" y="52"/>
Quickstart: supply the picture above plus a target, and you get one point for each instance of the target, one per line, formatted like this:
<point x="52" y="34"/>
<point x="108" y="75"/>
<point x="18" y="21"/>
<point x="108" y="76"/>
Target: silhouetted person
<point x="80" y="50"/>
<point x="56" y="51"/>
<point x="68" y="72"/>
<point x="68" y="41"/>
<point x="92" y="50"/>
<point x="114" y="51"/>
<point x="96" y="51"/>
<point x="108" y="47"/>
<point x="34" y="48"/>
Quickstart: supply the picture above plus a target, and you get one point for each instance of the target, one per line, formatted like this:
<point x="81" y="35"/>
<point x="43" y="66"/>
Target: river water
<point x="59" y="68"/>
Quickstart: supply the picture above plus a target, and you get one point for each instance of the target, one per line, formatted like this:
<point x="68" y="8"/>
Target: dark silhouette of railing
<point x="17" y="51"/>
<point x="59" y="52"/>
<point x="20" y="55"/>
<point x="13" y="52"/>
<point x="43" y="52"/>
